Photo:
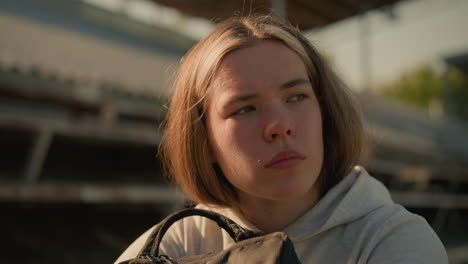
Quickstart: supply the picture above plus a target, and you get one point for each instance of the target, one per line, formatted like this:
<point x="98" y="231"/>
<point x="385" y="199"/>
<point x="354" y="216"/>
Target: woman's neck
<point x="275" y="215"/>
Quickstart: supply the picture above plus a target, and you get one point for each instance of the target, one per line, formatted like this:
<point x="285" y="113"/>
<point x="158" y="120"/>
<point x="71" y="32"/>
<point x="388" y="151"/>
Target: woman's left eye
<point x="297" y="98"/>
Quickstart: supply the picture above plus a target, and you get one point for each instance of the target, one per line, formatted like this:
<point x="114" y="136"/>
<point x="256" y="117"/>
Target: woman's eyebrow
<point x="239" y="98"/>
<point x="294" y="82"/>
<point x="246" y="97"/>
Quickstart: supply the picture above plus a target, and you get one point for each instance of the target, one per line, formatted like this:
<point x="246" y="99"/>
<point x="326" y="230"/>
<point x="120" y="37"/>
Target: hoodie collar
<point x="355" y="196"/>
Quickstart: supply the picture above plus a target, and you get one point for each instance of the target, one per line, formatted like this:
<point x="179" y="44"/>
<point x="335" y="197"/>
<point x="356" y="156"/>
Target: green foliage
<point x="457" y="97"/>
<point x="418" y="87"/>
<point x="424" y="86"/>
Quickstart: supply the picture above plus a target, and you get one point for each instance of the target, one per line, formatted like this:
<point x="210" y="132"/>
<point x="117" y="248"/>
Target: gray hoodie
<point x="355" y="222"/>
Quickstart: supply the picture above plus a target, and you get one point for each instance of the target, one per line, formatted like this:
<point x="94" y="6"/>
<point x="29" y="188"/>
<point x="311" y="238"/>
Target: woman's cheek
<point x="247" y="143"/>
<point x="233" y="132"/>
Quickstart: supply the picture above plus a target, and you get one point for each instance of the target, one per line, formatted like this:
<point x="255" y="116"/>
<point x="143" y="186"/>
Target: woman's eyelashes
<point x="244" y="110"/>
<point x="297" y="98"/>
<point x="249" y="108"/>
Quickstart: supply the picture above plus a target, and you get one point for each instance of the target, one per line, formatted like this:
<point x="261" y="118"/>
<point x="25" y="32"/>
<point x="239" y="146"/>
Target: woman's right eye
<point x="244" y="110"/>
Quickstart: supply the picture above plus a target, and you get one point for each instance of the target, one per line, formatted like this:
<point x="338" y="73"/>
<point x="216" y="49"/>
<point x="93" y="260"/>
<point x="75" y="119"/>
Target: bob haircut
<point x="185" y="148"/>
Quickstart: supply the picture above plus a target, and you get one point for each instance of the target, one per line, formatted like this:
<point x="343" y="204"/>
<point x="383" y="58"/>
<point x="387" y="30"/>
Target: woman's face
<point x="264" y="123"/>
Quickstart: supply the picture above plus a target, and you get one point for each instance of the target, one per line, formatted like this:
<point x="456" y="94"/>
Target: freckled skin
<point x="245" y="135"/>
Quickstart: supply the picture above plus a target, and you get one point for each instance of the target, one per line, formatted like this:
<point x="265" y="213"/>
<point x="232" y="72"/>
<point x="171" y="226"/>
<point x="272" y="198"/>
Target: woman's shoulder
<point x="396" y="235"/>
<point x="403" y="235"/>
<point x="390" y="232"/>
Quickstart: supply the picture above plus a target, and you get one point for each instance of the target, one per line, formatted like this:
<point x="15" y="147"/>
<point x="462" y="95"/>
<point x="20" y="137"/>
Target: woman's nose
<point x="279" y="127"/>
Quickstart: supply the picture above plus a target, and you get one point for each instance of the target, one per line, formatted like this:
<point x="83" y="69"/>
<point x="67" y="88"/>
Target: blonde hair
<point x="185" y="148"/>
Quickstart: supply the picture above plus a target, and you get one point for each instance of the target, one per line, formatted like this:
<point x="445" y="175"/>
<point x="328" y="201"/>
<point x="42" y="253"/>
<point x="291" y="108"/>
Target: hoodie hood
<point x="355" y="196"/>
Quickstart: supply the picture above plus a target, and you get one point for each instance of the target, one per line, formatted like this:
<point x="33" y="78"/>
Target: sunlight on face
<point x="264" y="123"/>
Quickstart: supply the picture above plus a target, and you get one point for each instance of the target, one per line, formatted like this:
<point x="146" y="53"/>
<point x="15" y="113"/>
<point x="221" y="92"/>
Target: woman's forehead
<point x="265" y="63"/>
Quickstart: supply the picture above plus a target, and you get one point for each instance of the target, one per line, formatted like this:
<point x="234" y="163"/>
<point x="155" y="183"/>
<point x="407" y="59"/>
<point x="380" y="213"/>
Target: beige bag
<point x="250" y="247"/>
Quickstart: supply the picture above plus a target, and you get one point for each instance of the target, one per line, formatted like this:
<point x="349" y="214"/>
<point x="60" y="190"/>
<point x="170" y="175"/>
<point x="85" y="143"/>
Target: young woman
<point x="262" y="131"/>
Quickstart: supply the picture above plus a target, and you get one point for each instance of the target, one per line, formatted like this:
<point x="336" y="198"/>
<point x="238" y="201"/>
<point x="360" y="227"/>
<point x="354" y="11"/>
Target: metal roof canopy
<point x="306" y="14"/>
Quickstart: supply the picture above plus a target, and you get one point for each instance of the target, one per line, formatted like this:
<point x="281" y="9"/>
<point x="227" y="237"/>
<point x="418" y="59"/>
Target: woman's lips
<point x="285" y="159"/>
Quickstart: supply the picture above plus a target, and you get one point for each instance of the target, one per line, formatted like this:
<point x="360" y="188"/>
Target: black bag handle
<point x="236" y="232"/>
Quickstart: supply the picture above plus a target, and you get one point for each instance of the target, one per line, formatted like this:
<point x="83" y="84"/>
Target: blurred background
<point x="83" y="85"/>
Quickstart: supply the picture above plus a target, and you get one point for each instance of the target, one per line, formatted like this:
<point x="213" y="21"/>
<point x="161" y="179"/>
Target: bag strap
<point x="236" y="232"/>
